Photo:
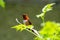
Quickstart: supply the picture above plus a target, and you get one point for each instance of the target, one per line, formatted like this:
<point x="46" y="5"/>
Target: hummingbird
<point x="27" y="22"/>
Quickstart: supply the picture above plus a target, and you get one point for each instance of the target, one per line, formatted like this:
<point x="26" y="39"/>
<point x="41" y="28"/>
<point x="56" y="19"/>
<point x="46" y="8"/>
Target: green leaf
<point x="22" y="27"/>
<point x="48" y="7"/>
<point x="50" y="31"/>
<point x="2" y="3"/>
<point x="40" y="15"/>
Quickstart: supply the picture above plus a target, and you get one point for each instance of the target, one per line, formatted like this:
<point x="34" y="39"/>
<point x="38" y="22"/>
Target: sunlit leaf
<point x="2" y="3"/>
<point x="22" y="27"/>
<point x="48" y="7"/>
<point x="50" y="31"/>
<point x="40" y="15"/>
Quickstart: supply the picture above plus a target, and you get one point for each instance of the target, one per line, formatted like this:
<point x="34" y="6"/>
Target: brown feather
<point x="25" y="17"/>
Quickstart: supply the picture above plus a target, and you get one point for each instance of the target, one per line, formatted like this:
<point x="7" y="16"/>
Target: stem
<point x="34" y="33"/>
<point x="17" y="21"/>
<point x="31" y="32"/>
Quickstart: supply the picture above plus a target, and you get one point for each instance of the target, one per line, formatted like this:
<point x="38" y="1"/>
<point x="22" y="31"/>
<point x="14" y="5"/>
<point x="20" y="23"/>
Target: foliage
<point x="22" y="27"/>
<point x="46" y="8"/>
<point x="2" y="3"/>
<point x="50" y="30"/>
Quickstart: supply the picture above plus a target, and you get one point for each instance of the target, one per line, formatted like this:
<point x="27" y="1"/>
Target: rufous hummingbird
<point x="26" y="20"/>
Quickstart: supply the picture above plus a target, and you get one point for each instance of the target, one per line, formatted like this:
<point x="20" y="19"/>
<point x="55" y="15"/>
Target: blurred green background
<point x="15" y="8"/>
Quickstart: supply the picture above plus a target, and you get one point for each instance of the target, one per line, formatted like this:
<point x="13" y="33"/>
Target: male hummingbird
<point x="26" y="20"/>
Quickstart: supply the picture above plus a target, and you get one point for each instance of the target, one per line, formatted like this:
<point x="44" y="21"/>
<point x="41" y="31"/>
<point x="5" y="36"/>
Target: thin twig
<point x="35" y="33"/>
<point x="17" y="21"/>
<point x="31" y="32"/>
